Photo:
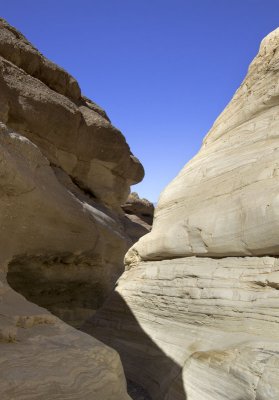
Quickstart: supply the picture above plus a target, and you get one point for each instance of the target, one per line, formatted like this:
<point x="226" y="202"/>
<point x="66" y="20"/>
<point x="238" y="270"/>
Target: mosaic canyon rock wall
<point x="196" y="314"/>
<point x="65" y="171"/>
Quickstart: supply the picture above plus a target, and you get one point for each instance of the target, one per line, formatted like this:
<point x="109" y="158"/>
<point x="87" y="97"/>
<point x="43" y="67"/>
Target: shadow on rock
<point x="144" y="362"/>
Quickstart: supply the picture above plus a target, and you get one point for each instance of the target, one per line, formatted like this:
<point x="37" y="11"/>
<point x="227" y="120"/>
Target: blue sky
<point x="162" y="69"/>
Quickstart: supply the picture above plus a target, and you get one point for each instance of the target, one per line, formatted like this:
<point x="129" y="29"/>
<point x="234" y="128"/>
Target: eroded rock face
<point x="62" y="190"/>
<point x="196" y="314"/>
<point x="41" y="357"/>
<point x="138" y="216"/>
<point x="43" y="102"/>
<point x="64" y="173"/>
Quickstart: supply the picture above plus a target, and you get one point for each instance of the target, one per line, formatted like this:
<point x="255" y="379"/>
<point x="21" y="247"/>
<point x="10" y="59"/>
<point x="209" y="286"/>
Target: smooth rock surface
<point x="197" y="328"/>
<point x="196" y="314"/>
<point x="43" y="358"/>
<point x="224" y="202"/>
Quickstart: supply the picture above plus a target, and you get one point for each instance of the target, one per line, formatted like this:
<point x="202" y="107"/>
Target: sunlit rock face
<point x="43" y="102"/>
<point x="225" y="200"/>
<point x="65" y="171"/>
<point x="196" y="314"/>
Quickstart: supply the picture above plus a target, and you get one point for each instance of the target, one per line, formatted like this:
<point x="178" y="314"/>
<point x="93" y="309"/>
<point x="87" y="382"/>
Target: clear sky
<point x="162" y="69"/>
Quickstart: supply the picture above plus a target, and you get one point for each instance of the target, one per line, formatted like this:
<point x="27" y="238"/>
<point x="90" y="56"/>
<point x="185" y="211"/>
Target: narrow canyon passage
<point x="145" y="364"/>
<point x="194" y="312"/>
<point x="64" y="288"/>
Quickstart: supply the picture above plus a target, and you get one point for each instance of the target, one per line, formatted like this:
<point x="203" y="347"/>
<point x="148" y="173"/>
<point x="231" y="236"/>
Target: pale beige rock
<point x="43" y="358"/>
<point x="206" y="326"/>
<point x="197" y="328"/>
<point x="225" y="200"/>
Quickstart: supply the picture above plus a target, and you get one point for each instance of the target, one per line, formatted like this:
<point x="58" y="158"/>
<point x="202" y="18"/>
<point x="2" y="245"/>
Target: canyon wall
<point x="196" y="314"/>
<point x="65" y="171"/>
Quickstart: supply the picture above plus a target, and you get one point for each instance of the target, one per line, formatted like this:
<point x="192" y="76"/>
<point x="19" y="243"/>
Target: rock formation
<point x="196" y="314"/>
<point x="65" y="171"/>
<point x="139" y="216"/>
<point x="71" y="178"/>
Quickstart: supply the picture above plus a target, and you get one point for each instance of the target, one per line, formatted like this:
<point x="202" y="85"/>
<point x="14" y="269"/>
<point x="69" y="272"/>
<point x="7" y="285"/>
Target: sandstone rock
<point x="64" y="173"/>
<point x="196" y="314"/>
<point x="225" y="202"/>
<point x="15" y="48"/>
<point x="60" y="252"/>
<point x="143" y="208"/>
<point x="43" y="102"/>
<point x="43" y="358"/>
<point x="68" y="245"/>
<point x="62" y="189"/>
<point x="197" y="328"/>
<point x="139" y="216"/>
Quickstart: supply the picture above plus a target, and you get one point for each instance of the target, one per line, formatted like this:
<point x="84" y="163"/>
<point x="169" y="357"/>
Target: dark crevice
<point x="137" y="392"/>
<point x="273" y="285"/>
<point x="88" y="192"/>
<point x="80" y="185"/>
<point x="215" y="257"/>
<point x="129" y="212"/>
<point x="146" y="215"/>
<point x="69" y="286"/>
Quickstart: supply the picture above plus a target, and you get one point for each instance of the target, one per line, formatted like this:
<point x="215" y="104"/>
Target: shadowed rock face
<point x="196" y="314"/>
<point x="64" y="173"/>
<point x="138" y="216"/>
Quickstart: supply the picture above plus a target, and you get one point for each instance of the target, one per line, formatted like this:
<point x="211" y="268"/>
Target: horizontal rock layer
<point x="65" y="171"/>
<point x="196" y="314"/>
<point x="197" y="328"/>
<point x="53" y="251"/>
<point x="43" y="358"/>
<point x="60" y="239"/>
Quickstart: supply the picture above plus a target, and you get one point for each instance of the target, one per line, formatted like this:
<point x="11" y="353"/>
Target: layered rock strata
<point x="73" y="211"/>
<point x="43" y="102"/>
<point x="64" y="173"/>
<point x="196" y="314"/>
<point x="138" y="216"/>
<point x="43" y="358"/>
